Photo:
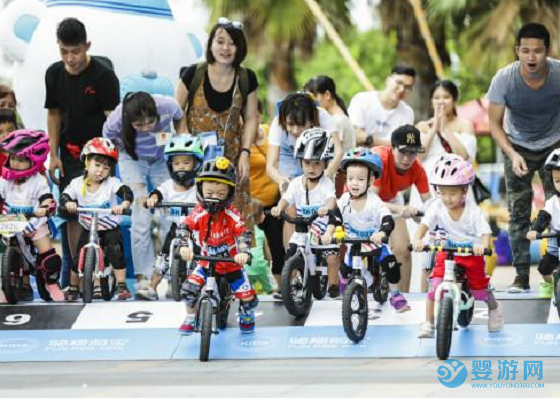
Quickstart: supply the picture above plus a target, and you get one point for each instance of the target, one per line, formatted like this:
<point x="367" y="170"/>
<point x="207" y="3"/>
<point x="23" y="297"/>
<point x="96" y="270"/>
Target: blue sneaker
<point x="247" y="322"/>
<point x="187" y="327"/>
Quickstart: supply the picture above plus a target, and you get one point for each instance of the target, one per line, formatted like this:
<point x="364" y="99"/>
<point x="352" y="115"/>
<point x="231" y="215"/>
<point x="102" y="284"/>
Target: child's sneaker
<point x="72" y="293"/>
<point x="546" y="290"/>
<point x="334" y="291"/>
<point x="97" y="293"/>
<point x="55" y="292"/>
<point x="399" y="303"/>
<point x="495" y="319"/>
<point x="25" y="293"/>
<point x="426" y="331"/>
<point x="247" y="322"/>
<point x="122" y="292"/>
<point x="187" y="327"/>
<point x="144" y="291"/>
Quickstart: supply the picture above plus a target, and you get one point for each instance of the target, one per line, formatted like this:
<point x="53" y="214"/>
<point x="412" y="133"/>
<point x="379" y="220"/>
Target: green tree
<point x="279" y="31"/>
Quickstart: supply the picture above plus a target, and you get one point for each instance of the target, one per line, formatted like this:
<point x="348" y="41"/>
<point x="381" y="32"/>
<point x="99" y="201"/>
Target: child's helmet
<point x="553" y="160"/>
<point x="452" y="170"/>
<point x="314" y="144"/>
<point x="33" y="145"/>
<point x="219" y="170"/>
<point x="365" y="156"/>
<point x="102" y="147"/>
<point x="185" y="145"/>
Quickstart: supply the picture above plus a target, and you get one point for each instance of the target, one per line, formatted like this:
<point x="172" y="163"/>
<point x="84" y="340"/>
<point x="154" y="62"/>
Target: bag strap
<point x="243" y="84"/>
<point x="196" y="81"/>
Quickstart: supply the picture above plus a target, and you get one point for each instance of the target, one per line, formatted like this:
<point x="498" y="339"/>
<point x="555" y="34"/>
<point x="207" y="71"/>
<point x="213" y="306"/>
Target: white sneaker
<point x="495" y="319"/>
<point x="426" y="331"/>
<point x="142" y="288"/>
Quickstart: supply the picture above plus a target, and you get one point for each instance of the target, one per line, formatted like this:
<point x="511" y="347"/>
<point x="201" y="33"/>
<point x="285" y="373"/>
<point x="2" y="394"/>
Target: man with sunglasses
<point x="401" y="170"/>
<point x="81" y="91"/>
<point x="375" y="115"/>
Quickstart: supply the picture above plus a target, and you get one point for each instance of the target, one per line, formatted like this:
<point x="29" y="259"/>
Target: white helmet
<point x="314" y="144"/>
<point x="553" y="160"/>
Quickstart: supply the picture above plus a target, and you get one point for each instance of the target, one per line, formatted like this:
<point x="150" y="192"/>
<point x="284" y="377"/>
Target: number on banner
<point x="17" y="319"/>
<point x="139" y="317"/>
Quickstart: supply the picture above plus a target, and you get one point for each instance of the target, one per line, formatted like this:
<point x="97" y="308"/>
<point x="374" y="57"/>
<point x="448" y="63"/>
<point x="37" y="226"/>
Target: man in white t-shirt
<point x="375" y="115"/>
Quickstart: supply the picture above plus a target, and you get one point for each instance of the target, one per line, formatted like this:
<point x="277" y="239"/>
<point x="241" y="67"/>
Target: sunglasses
<point x="223" y="21"/>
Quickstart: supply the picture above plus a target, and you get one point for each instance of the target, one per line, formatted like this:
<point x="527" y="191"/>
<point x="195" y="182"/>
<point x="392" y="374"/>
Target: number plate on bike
<point x="10" y="224"/>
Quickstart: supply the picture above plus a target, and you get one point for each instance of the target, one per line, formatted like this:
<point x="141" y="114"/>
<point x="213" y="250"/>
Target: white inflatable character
<point x="141" y="37"/>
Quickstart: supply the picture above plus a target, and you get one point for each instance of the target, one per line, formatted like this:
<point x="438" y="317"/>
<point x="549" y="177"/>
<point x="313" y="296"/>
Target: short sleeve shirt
<point x="82" y="99"/>
<point x="532" y="117"/>
<point x="552" y="206"/>
<point x="364" y="223"/>
<point x="367" y="113"/>
<point x="392" y="182"/>
<point x="276" y="134"/>
<point x="169" y="193"/>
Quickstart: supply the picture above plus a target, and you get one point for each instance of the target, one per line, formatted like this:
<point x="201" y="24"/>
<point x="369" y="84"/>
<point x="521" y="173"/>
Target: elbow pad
<point x="387" y="225"/>
<point x="542" y="221"/>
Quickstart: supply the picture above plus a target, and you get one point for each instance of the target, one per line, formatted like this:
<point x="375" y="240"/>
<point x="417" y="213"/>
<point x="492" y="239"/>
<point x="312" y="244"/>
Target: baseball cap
<point x="407" y="138"/>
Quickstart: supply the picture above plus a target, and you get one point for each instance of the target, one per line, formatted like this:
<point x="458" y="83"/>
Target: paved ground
<point x="279" y="378"/>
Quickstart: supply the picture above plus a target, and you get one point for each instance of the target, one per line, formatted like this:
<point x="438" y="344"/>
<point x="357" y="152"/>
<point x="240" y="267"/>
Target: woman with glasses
<point x="138" y="127"/>
<point x="221" y="96"/>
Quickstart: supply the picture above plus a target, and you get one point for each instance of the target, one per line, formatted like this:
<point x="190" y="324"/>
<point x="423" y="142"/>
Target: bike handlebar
<point x="86" y="210"/>
<point x="166" y="204"/>
<point x="361" y="240"/>
<point x="298" y="220"/>
<point x="449" y="249"/>
<point x="548" y="235"/>
<point x="214" y="259"/>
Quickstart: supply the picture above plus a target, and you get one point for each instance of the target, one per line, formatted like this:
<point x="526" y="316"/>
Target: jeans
<point x="140" y="175"/>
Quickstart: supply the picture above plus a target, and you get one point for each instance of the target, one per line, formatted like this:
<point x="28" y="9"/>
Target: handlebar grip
<point x="447" y="249"/>
<point x="548" y="235"/>
<point x="215" y="259"/>
<point x="127" y="211"/>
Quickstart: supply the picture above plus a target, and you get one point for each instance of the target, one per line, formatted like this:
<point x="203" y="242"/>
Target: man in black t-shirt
<point x="81" y="92"/>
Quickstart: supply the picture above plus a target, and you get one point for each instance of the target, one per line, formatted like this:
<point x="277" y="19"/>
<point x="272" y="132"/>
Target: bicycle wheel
<point x="296" y="296"/>
<point x="381" y="288"/>
<point x="355" y="312"/>
<point x="88" y="268"/>
<point x="178" y="275"/>
<point x="12" y="275"/>
<point x="205" y="329"/>
<point x="444" y="329"/>
<point x="465" y="316"/>
<point x="319" y="284"/>
<point x="225" y="303"/>
<point x="108" y="286"/>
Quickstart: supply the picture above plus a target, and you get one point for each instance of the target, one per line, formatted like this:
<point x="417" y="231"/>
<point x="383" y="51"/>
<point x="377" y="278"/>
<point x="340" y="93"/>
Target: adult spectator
<point x="81" y="90"/>
<point x="401" y="170"/>
<point x="524" y="118"/>
<point x="221" y="96"/>
<point x="134" y="126"/>
<point x="7" y="97"/>
<point x="266" y="191"/>
<point x="376" y="114"/>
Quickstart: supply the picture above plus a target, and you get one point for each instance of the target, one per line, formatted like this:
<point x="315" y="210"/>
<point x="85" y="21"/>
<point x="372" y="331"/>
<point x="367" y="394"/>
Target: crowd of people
<point x="353" y="166"/>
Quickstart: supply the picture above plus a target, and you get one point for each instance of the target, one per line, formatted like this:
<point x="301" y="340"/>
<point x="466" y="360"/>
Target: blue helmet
<point x="365" y="156"/>
<point x="184" y="145"/>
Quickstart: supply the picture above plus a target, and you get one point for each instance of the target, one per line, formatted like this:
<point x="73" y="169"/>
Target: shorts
<point x="111" y="241"/>
<point x="238" y="281"/>
<point x="475" y="270"/>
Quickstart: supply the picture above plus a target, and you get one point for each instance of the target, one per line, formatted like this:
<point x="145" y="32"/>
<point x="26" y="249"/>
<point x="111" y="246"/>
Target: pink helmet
<point x="33" y="145"/>
<point x="452" y="170"/>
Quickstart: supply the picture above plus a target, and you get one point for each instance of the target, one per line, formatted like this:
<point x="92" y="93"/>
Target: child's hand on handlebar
<point x="479" y="249"/>
<point x="275" y="211"/>
<point x="408" y="212"/>
<point x="152" y="201"/>
<point x="377" y="237"/>
<point x="326" y="238"/>
<point x="322" y="211"/>
<point x="241" y="258"/>
<point x="71" y="207"/>
<point x="118" y="210"/>
<point x="532" y="235"/>
<point x="41" y="212"/>
<point x="186" y="253"/>
<point x="418" y="245"/>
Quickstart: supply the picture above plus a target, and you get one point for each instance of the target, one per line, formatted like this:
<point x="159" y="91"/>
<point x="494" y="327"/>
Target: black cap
<point x="407" y="137"/>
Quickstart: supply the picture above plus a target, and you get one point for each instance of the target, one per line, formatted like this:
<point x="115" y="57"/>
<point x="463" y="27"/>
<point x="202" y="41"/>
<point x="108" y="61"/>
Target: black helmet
<point x="219" y="170"/>
<point x="314" y="144"/>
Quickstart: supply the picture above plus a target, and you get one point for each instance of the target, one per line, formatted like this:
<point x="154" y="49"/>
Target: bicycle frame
<point x="305" y="249"/>
<point x="101" y="270"/>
